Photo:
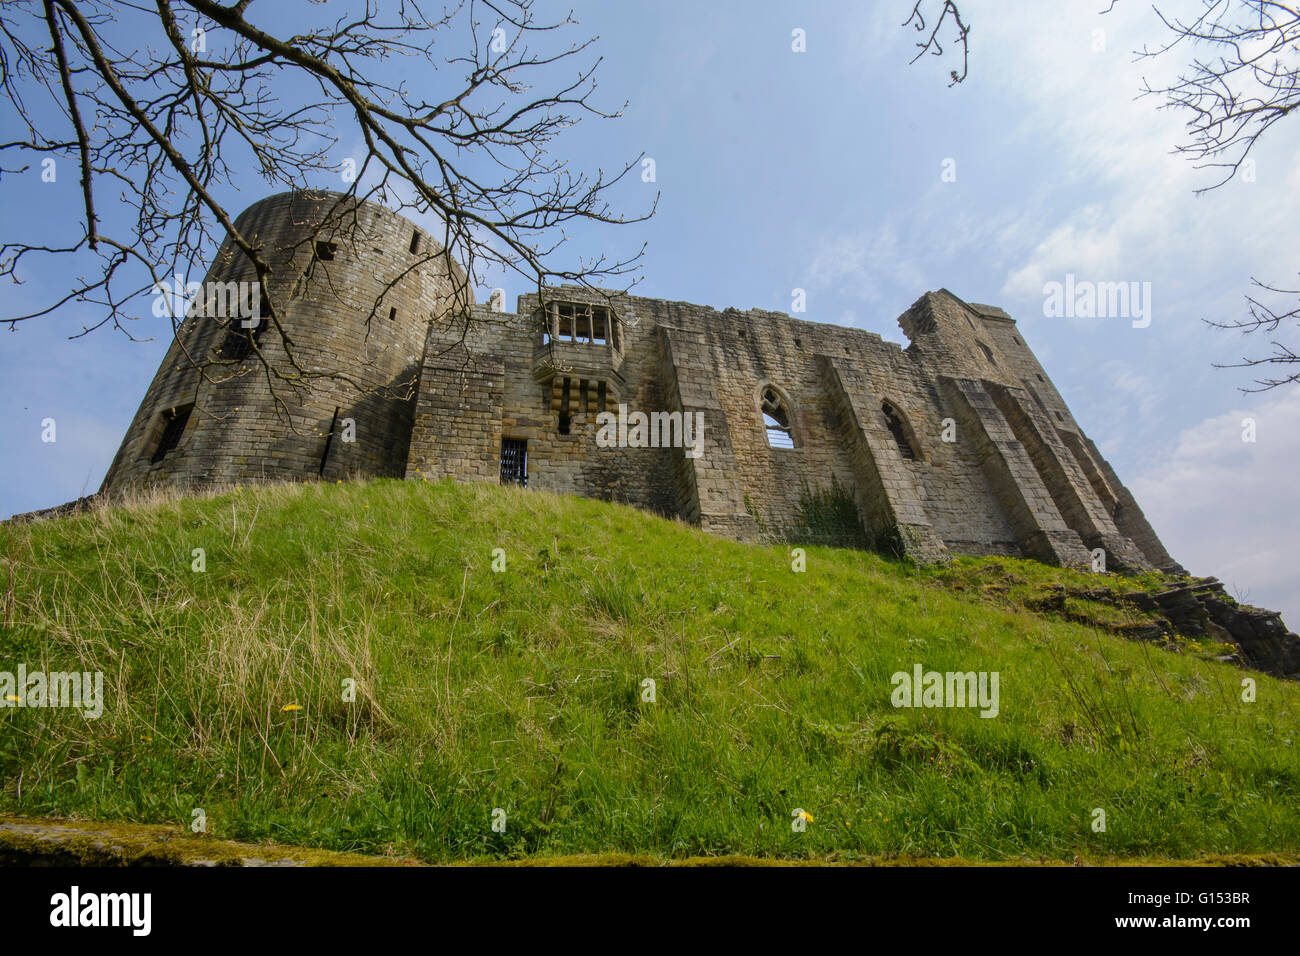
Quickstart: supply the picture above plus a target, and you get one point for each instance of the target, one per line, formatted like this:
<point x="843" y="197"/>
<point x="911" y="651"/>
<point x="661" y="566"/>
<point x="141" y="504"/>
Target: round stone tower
<point x="355" y="287"/>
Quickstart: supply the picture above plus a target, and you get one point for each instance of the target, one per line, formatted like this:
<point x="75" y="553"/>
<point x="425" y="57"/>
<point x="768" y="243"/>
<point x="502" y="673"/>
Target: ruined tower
<point x="355" y="286"/>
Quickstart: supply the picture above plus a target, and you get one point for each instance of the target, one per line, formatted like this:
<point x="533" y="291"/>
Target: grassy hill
<point x="523" y="690"/>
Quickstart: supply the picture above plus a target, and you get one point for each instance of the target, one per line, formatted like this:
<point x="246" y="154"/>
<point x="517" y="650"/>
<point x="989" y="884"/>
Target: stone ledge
<point x="43" y="842"/>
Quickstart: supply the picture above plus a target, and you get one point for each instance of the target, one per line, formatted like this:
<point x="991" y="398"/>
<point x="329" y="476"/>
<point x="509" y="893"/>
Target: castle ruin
<point x="958" y="443"/>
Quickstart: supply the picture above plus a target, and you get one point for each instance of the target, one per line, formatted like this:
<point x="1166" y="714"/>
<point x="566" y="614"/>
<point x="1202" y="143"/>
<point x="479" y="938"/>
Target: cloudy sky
<point x="823" y="170"/>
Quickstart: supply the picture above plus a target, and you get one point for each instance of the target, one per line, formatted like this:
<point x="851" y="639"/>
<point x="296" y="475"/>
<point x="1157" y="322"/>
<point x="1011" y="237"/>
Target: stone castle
<point x="730" y="420"/>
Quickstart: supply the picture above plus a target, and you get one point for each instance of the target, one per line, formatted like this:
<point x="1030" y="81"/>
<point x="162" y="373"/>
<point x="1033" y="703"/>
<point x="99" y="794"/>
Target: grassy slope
<point x="521" y="690"/>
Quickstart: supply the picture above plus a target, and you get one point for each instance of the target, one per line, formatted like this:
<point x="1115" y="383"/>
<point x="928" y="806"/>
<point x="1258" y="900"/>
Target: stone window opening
<point x="580" y="324"/>
<point x="174" y="422"/>
<point x="514" y="461"/>
<point x="904" y="437"/>
<point x="325" y="250"/>
<point x="239" y="341"/>
<point x="392" y="313"/>
<point x="777" y="422"/>
<point x="988" y="353"/>
<point x="415" y="242"/>
<point x="566" y="420"/>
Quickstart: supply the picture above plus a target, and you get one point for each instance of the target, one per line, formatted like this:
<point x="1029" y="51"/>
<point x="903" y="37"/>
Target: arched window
<point x="776" y="419"/>
<point x="988" y="353"/>
<point x="898" y="428"/>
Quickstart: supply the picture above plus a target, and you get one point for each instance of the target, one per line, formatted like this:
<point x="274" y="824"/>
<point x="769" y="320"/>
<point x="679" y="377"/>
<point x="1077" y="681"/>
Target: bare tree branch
<point x="1242" y="79"/>
<point x="1244" y="76"/>
<point x="172" y="108"/>
<point x="1267" y="318"/>
<point x="930" y="42"/>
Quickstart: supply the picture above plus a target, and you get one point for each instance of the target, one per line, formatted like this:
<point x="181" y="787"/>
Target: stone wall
<point x="990" y="460"/>
<point x="354" y="328"/>
<point x="957" y="443"/>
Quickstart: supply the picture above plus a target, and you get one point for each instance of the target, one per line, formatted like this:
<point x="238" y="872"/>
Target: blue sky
<point x="822" y="171"/>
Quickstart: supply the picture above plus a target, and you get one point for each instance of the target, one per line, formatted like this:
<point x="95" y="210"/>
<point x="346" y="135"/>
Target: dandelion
<point x="805" y="816"/>
<point x="289" y="707"/>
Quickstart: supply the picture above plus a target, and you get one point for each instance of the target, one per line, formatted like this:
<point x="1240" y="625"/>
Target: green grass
<point x="522" y="690"/>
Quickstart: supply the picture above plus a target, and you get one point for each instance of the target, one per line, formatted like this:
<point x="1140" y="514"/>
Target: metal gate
<point x="514" y="461"/>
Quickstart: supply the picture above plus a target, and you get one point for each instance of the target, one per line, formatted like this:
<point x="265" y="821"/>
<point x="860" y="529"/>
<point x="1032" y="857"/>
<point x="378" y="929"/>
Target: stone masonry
<point x="958" y="443"/>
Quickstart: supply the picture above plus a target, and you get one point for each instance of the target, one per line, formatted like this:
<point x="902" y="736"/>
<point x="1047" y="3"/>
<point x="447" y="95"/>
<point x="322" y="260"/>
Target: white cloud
<point x="862" y="264"/>
<point x="1131" y="389"/>
<point x="1138" y="217"/>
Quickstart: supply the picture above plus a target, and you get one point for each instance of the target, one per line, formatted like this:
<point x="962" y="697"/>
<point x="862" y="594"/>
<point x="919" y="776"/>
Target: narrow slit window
<point x="392" y="313"/>
<point x="174" y="422"/>
<point x="415" y="242"/>
<point x="988" y="353"/>
<point x="565" y="420"/>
